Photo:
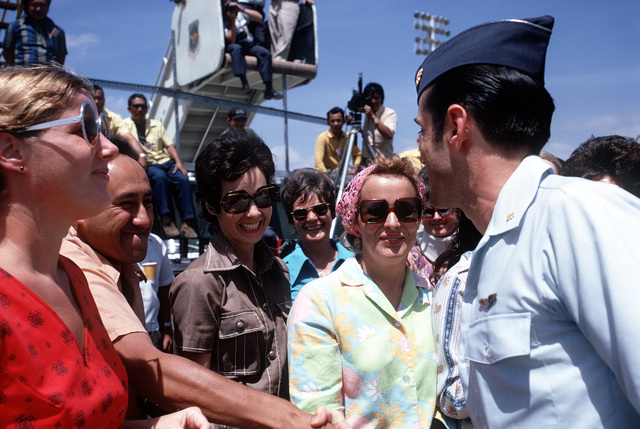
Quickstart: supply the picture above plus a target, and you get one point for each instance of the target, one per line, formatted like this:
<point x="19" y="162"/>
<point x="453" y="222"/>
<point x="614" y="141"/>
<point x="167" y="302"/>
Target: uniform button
<point x="272" y="355"/>
<point x="487" y="351"/>
<point x="406" y="378"/>
<point x="396" y="323"/>
<point x="265" y="306"/>
<point x="240" y="326"/>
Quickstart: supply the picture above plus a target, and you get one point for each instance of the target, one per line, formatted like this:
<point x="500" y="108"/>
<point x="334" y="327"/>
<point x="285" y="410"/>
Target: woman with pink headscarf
<point x="360" y="338"/>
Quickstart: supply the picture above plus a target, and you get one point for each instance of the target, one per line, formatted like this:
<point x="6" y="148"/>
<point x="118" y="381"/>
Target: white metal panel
<point x="199" y="37"/>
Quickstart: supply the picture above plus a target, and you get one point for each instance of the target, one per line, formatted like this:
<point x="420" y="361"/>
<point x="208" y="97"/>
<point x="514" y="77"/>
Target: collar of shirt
<point x="296" y="263"/>
<point x="352" y="275"/>
<point x="516" y="196"/>
<point x="222" y="257"/>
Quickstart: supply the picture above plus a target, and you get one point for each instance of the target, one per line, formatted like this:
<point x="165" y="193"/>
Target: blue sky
<point x="593" y="62"/>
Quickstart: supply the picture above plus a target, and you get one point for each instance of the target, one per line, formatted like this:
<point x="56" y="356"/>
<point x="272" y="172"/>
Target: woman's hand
<point x="189" y="418"/>
<point x="324" y="415"/>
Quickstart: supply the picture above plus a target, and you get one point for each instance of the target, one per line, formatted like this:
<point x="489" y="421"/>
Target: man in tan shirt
<point x="331" y="145"/>
<point x="107" y="248"/>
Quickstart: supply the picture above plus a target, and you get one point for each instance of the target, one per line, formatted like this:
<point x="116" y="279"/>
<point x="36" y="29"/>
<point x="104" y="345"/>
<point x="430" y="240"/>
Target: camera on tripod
<point x="357" y="103"/>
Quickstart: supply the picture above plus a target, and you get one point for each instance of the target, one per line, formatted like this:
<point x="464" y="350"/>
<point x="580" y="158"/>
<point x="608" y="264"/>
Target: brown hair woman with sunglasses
<point x="309" y="199"/>
<point x="360" y="339"/>
<point x="230" y="306"/>
<point x="58" y="367"/>
<point x="436" y="234"/>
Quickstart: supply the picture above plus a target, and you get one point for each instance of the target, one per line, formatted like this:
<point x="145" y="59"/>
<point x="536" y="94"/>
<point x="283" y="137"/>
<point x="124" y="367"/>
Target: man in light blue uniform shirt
<point x="550" y="323"/>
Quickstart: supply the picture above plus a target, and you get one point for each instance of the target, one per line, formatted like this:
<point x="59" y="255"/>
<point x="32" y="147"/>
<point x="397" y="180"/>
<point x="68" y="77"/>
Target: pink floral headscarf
<point x="347" y="207"/>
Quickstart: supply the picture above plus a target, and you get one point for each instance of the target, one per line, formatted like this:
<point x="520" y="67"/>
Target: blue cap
<point x="236" y="113"/>
<point x="517" y="43"/>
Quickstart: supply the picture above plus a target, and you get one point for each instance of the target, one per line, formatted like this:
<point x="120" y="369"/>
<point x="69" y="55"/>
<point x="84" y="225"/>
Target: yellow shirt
<point x="114" y="122"/>
<point x="329" y="150"/>
<point x="156" y="137"/>
<point x="414" y="157"/>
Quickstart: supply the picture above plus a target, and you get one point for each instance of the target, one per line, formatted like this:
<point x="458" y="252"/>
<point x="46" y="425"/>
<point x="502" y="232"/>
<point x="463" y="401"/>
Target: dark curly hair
<point x="615" y="156"/>
<point x="226" y="159"/>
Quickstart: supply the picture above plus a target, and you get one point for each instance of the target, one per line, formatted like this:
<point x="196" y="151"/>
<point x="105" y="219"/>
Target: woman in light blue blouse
<point x="309" y="199"/>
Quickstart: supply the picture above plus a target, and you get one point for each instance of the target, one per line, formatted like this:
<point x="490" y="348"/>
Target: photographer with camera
<point x="240" y="42"/>
<point x="380" y="122"/>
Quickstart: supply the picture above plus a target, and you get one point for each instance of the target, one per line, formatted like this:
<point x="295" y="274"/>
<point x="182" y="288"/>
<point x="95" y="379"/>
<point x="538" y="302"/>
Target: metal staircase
<point x="10" y="11"/>
<point x="195" y="63"/>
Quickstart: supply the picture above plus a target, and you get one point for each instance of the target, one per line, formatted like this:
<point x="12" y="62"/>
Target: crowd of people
<point x="479" y="291"/>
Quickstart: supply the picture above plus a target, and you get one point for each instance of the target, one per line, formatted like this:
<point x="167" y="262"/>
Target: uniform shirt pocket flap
<point x="498" y="337"/>
<point x="242" y="323"/>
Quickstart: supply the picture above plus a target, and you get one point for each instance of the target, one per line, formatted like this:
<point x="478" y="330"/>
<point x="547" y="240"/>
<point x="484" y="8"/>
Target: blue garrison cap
<point x="517" y="43"/>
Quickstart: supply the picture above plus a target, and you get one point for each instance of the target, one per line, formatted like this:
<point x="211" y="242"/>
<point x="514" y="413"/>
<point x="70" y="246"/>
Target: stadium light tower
<point x="432" y="25"/>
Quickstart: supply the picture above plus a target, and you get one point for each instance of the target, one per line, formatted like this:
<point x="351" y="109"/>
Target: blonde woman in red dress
<point x="57" y="365"/>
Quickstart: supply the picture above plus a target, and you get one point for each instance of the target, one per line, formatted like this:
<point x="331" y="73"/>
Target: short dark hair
<point x="97" y="87"/>
<point x="615" y="156"/>
<point x="124" y="148"/>
<point x="512" y="109"/>
<point x="137" y="95"/>
<point x="226" y="159"/>
<point x="334" y="111"/>
<point x="374" y="88"/>
<point x="304" y="182"/>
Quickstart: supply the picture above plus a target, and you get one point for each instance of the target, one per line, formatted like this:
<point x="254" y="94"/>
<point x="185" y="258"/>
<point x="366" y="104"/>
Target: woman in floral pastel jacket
<point x="359" y="338"/>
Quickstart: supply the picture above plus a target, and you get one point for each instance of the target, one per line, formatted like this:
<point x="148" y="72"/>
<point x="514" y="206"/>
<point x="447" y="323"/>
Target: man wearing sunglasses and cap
<point x="549" y="321"/>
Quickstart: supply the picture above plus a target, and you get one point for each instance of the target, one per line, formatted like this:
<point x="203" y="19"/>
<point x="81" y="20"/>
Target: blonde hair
<point x="37" y="94"/>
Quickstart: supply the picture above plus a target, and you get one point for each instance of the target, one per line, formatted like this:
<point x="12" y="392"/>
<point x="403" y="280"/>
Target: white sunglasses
<point x="91" y="127"/>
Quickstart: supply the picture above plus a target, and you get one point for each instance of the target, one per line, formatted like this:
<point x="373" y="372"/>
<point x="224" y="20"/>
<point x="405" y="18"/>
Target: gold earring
<point x="22" y="168"/>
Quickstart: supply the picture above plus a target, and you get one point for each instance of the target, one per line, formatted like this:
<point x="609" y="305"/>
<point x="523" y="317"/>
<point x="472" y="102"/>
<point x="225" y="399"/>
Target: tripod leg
<point x="343" y="169"/>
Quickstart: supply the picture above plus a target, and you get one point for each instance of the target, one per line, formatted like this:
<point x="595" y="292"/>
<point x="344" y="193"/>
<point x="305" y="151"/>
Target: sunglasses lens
<point x="320" y="209"/>
<point x="374" y="211"/>
<point x="89" y="124"/>
<point x="430" y="212"/>
<point x="236" y="202"/>
<point x="446" y="213"/>
<point x="263" y="199"/>
<point x="300" y="214"/>
<point x="408" y="210"/>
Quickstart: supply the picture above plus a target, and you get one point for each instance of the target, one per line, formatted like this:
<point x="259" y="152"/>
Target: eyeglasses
<point x="405" y="209"/>
<point x="319" y="209"/>
<point x="139" y="106"/>
<point x="91" y="126"/>
<point x="430" y="212"/>
<point x="239" y="201"/>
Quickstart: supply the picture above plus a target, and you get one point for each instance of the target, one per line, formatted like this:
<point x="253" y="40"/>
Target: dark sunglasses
<point x="139" y="106"/>
<point x="429" y="212"/>
<point x="319" y="209"/>
<point x="239" y="201"/>
<point x="405" y="209"/>
<point x="92" y="125"/>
